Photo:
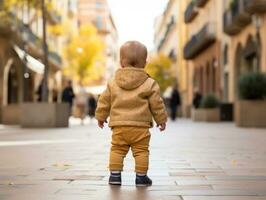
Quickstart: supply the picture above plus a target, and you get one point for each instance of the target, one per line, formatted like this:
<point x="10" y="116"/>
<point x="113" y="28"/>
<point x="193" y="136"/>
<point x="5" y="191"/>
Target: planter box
<point x="44" y="115"/>
<point x="186" y="111"/>
<point x="250" y="113"/>
<point x="206" y="115"/>
<point x="11" y="114"/>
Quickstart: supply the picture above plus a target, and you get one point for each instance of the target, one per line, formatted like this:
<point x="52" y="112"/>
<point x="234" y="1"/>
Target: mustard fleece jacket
<point x="131" y="99"/>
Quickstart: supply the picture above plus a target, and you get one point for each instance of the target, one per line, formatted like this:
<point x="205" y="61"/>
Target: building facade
<point x="98" y="13"/>
<point x="216" y="43"/>
<point x="244" y="48"/>
<point x="21" y="56"/>
<point x="165" y="39"/>
<point x="203" y="19"/>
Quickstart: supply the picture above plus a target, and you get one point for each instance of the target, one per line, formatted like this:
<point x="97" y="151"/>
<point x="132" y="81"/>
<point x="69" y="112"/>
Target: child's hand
<point x="161" y="126"/>
<point x="101" y="123"/>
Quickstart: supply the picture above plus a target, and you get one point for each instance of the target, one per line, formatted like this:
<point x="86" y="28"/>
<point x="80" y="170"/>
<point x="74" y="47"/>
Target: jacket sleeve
<point x="104" y="105"/>
<point x="157" y="105"/>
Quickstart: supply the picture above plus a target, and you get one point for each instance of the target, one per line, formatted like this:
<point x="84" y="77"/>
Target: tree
<point x="85" y="57"/>
<point x="159" y="68"/>
<point x="8" y="5"/>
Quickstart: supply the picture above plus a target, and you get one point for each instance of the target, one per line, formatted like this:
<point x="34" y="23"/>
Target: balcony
<point x="191" y="12"/>
<point x="236" y="18"/>
<point x="169" y="28"/>
<point x="55" y="59"/>
<point x="25" y="35"/>
<point x="53" y="17"/>
<point x="201" y="3"/>
<point x="200" y="41"/>
<point x="255" y="6"/>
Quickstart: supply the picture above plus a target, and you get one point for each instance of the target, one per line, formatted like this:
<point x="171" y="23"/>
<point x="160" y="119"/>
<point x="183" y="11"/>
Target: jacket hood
<point x="130" y="78"/>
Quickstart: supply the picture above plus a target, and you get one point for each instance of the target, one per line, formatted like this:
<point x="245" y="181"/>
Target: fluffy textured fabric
<point x="131" y="99"/>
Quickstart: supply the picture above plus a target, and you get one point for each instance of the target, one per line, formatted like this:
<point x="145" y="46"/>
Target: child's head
<point x="133" y="54"/>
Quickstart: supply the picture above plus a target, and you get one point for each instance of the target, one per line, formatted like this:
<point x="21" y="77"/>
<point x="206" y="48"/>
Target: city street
<point x="190" y="161"/>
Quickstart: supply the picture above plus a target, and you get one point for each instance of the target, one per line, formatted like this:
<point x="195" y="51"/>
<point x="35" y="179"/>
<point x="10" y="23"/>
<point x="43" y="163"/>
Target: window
<point x="225" y="55"/>
<point x="99" y="5"/>
<point x="99" y="22"/>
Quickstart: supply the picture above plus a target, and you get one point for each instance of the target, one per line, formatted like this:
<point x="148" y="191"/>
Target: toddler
<point x="131" y="100"/>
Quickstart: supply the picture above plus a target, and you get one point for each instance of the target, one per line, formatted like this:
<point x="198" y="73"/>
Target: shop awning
<point x="32" y="63"/>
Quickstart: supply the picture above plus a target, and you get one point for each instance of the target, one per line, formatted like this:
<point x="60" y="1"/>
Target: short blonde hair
<point x="133" y="53"/>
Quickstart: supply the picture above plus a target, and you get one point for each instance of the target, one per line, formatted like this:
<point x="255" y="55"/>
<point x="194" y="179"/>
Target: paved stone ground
<point x="190" y="161"/>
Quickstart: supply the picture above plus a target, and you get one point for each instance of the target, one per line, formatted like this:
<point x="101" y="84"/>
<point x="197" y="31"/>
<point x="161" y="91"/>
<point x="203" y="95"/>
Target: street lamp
<point x="45" y="56"/>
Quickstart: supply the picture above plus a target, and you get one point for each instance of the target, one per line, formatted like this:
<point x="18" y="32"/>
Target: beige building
<point x="244" y="48"/>
<point x="169" y="39"/>
<point x="217" y="42"/>
<point x="99" y="14"/>
<point x="196" y="39"/>
<point x="203" y="48"/>
<point x="165" y="39"/>
<point x="21" y="56"/>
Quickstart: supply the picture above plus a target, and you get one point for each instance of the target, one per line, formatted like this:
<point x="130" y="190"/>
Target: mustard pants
<point x="124" y="138"/>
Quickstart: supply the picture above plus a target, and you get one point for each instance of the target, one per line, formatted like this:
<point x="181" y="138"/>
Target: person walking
<point x="68" y="94"/>
<point x="175" y="102"/>
<point x="39" y="91"/>
<point x="81" y="104"/>
<point x="91" y="106"/>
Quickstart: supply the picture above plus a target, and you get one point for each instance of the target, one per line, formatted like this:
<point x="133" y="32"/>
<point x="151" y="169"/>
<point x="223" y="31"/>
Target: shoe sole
<point x="114" y="183"/>
<point x="143" y="185"/>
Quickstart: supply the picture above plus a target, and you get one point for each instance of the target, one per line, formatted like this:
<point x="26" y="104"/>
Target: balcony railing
<point x="255" y="6"/>
<point x="200" y="41"/>
<point x="170" y="26"/>
<point x="201" y="3"/>
<point x="22" y="34"/>
<point x="55" y="58"/>
<point x="29" y="37"/>
<point x="236" y="18"/>
<point x="191" y="12"/>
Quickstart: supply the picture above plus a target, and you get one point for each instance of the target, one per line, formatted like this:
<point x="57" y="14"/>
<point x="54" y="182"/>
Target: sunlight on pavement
<point x="77" y="121"/>
<point x="37" y="142"/>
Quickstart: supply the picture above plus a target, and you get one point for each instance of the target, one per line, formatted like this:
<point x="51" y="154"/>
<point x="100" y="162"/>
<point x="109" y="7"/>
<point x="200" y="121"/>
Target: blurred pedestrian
<point x="68" y="94"/>
<point x="55" y="95"/>
<point x="91" y="106"/>
<point x="39" y="91"/>
<point x="81" y="103"/>
<point x="175" y="102"/>
<point x="197" y="99"/>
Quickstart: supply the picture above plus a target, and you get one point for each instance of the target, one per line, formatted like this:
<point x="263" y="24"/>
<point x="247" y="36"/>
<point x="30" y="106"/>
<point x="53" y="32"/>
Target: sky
<point x="135" y="19"/>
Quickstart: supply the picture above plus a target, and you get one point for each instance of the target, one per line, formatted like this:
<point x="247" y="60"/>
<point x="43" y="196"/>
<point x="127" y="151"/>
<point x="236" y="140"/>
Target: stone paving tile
<point x="223" y="198"/>
<point x="221" y="182"/>
<point x="192" y="161"/>
<point x="236" y="177"/>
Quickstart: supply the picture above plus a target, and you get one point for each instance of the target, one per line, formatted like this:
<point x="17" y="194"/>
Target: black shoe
<point x="115" y="179"/>
<point x="143" y="181"/>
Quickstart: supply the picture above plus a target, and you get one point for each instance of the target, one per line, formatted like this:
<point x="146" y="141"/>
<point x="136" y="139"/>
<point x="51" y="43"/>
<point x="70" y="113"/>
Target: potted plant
<point x="209" y="110"/>
<point x="250" y="109"/>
